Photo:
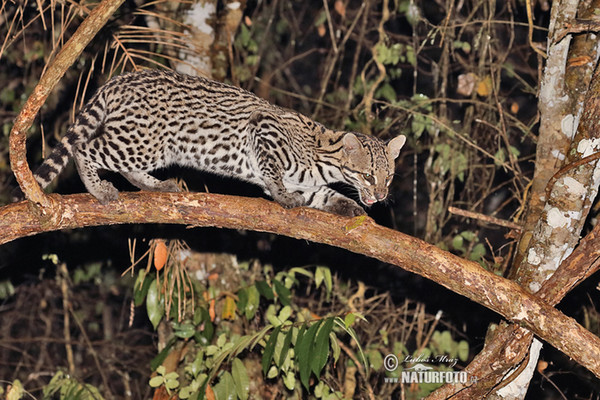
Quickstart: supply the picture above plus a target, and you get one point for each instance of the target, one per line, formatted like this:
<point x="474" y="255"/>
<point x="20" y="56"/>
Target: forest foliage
<point x="459" y="79"/>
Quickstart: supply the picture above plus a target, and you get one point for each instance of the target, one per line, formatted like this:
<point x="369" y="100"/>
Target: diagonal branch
<point x="56" y="69"/>
<point x="360" y="235"/>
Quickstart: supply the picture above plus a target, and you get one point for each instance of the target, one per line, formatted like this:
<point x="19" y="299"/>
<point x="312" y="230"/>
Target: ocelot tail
<point x="143" y="121"/>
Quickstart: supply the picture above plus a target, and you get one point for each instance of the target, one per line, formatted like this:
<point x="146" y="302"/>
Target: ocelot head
<point x="369" y="165"/>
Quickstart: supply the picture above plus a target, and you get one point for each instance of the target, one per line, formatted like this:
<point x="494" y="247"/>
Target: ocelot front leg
<point x="327" y="199"/>
<point x="266" y="144"/>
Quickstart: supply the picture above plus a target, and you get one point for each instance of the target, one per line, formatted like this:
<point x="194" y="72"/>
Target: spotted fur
<point x="142" y="121"/>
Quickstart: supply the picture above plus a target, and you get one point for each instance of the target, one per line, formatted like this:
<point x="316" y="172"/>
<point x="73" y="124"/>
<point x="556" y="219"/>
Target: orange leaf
<point x="340" y="8"/>
<point x="229" y="308"/>
<point x="210" y="395"/>
<point x="321" y="30"/>
<point x="160" y="255"/>
<point x="484" y="87"/>
<point x="213" y="277"/>
<point x="211" y="310"/>
<point x="542" y="365"/>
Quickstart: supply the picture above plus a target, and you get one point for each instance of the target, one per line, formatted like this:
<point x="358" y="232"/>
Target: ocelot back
<point x="142" y="121"/>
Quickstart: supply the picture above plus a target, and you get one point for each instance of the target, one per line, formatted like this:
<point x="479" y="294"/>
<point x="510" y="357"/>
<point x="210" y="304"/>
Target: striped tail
<point x="86" y="125"/>
<point x="56" y="161"/>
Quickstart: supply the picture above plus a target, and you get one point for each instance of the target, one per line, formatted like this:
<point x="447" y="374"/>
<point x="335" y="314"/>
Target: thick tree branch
<point x="56" y="69"/>
<point x="360" y="235"/>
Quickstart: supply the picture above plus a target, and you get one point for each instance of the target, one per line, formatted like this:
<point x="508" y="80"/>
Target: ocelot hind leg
<point x="102" y="190"/>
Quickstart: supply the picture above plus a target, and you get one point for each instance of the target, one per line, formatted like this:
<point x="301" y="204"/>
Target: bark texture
<point x="360" y="235"/>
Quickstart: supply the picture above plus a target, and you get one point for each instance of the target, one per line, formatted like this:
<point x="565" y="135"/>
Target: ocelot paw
<point x="168" y="186"/>
<point x="291" y="200"/>
<point x="345" y="207"/>
<point x="105" y="192"/>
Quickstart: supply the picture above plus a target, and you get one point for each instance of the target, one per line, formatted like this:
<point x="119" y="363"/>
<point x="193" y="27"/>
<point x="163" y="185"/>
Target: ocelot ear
<point x="395" y="145"/>
<point x="351" y="143"/>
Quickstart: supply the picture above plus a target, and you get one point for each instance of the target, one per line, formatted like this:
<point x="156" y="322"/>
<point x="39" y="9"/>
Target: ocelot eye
<point x="369" y="180"/>
<point x="388" y="181"/>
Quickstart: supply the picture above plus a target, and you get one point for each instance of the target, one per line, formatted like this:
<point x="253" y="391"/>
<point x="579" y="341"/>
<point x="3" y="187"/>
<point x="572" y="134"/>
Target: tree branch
<point x="360" y="235"/>
<point x="56" y="69"/>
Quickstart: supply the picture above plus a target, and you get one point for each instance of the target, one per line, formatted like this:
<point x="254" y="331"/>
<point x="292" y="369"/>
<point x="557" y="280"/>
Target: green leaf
<point x="140" y="288"/>
<point x="463" y="350"/>
<point x="458" y="242"/>
<point x="515" y="152"/>
<point x="244" y="35"/>
<point x="301" y="333"/>
<point x="460" y="164"/>
<point x="417" y="126"/>
<point x="253" y="301"/>
<point x="289" y="380"/>
<point x="411" y="56"/>
<point x="321" y="18"/>
<point x="285" y="313"/>
<point x="156" y="381"/>
<point x="304" y="352"/>
<point x="270" y="349"/>
<point x="185" y="330"/>
<point x="321" y="347"/>
<point x="325" y="277"/>
<point x="375" y="359"/>
<point x="240" y="377"/>
<point x="16" y="391"/>
<point x="6" y="290"/>
<point x="285" y="347"/>
<point x="349" y="319"/>
<point x="271" y="317"/>
<point x="225" y="389"/>
<point x="273" y="371"/>
<point x="478" y="252"/>
<point x="221" y="340"/>
<point x="171" y="382"/>
<point x="283" y="293"/>
<point x="468" y="235"/>
<point x="499" y="157"/>
<point x="265" y="290"/>
<point x="319" y="276"/>
<point x="446" y="342"/>
<point x="362" y="358"/>
<point x="300" y="270"/>
<point x="155" y="304"/>
<point x="335" y="346"/>
<point x="387" y="92"/>
<point x="242" y="301"/>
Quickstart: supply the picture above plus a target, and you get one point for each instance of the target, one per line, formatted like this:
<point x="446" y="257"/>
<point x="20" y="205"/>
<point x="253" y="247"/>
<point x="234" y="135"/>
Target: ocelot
<point x="142" y="121"/>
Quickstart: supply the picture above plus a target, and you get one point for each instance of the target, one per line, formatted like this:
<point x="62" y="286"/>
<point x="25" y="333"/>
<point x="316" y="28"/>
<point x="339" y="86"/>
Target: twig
<point x="485" y="218"/>
<point x="368" y="98"/>
<point x="530" y="27"/>
<point x="568" y="167"/>
<point x="359" y="366"/>
<point x="64" y="276"/>
<point x="579" y="26"/>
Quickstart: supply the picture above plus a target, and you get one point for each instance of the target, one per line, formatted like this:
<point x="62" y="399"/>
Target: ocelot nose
<point x="380" y="195"/>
